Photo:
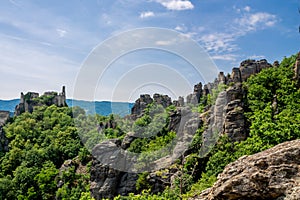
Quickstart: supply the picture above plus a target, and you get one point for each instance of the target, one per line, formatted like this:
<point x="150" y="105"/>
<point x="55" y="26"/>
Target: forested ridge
<point x="47" y="158"/>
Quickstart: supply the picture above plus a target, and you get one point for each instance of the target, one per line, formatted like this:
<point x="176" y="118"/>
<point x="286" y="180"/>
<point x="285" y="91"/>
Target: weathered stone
<point x="235" y="121"/>
<point x="163" y="100"/>
<point x="222" y="78"/>
<point x="250" y="67"/>
<point x="106" y="180"/>
<point x="28" y="101"/>
<point x="71" y="164"/>
<point x="181" y="101"/>
<point x="235" y="92"/>
<point x="140" y="104"/>
<point x="4" y="117"/>
<point x="198" y="91"/>
<point x="214" y="119"/>
<point x="189" y="98"/>
<point x="247" y="68"/>
<point x="205" y="90"/>
<point x="297" y="68"/>
<point x="235" y="75"/>
<point x="271" y="174"/>
<point x="128" y="139"/>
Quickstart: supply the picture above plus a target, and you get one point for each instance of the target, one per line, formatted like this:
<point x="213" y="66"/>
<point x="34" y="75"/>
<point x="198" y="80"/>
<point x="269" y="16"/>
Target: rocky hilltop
<point x="32" y="99"/>
<point x="271" y="174"/>
<point x="164" y="149"/>
<point x="227" y="114"/>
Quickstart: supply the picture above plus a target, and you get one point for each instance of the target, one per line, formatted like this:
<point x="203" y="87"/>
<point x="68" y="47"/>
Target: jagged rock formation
<point x="250" y="67"/>
<point x="226" y="116"/>
<point x="235" y="121"/>
<point x="145" y="99"/>
<point x="140" y="104"/>
<point x="32" y="99"/>
<point x="271" y="174"/>
<point x="4" y="117"/>
<point x="107" y="181"/>
<point x="78" y="167"/>
<point x="194" y="98"/>
<point x="113" y="170"/>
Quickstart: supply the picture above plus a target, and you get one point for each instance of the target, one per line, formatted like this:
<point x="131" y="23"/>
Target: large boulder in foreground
<point x="271" y="174"/>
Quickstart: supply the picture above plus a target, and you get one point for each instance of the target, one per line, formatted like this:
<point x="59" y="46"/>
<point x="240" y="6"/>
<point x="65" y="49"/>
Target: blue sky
<point x="44" y="43"/>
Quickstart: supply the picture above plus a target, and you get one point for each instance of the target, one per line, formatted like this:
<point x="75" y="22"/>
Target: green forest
<point x="49" y="149"/>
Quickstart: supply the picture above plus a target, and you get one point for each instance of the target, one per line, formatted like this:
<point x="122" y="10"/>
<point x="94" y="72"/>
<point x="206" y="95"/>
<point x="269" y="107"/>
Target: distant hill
<point x="9" y="105"/>
<point x="100" y="107"/>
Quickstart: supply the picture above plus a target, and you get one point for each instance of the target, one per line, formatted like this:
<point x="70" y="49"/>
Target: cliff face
<point x="225" y="117"/>
<point x="4" y="117"/>
<point x="32" y="99"/>
<point x="271" y="174"/>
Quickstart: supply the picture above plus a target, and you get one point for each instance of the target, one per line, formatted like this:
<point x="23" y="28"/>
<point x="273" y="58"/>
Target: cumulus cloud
<point x="147" y="14"/>
<point x="176" y="4"/>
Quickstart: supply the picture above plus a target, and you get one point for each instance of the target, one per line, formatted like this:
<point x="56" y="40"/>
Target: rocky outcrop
<point x="145" y="99"/>
<point x="236" y="75"/>
<point x="107" y="182"/>
<point x="75" y="166"/>
<point x="113" y="170"/>
<point x="179" y="102"/>
<point x="222" y="78"/>
<point x="194" y="98"/>
<point x="109" y="173"/>
<point x="163" y="100"/>
<point x="140" y="104"/>
<point x="297" y="68"/>
<point x="250" y="67"/>
<point x="271" y="174"/>
<point x="235" y="121"/>
<point x="32" y="99"/>
<point x="4" y="117"/>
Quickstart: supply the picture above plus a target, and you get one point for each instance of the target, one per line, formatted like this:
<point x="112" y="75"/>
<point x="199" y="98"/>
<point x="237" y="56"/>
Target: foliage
<point x="273" y="102"/>
<point x="39" y="144"/>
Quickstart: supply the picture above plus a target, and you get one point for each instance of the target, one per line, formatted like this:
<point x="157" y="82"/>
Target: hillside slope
<point x="48" y="155"/>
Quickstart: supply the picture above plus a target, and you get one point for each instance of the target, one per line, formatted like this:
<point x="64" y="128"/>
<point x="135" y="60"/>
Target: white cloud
<point x="257" y="20"/>
<point x="176" y="4"/>
<point x="147" y="14"/>
<point x="218" y="42"/>
<point x="247" y="8"/>
<point x="226" y="57"/>
<point x="257" y="57"/>
<point x="61" y="32"/>
<point x="181" y="27"/>
<point x="165" y="42"/>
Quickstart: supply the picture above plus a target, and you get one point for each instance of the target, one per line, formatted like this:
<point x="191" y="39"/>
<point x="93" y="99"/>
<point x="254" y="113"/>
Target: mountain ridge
<point x="102" y="107"/>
